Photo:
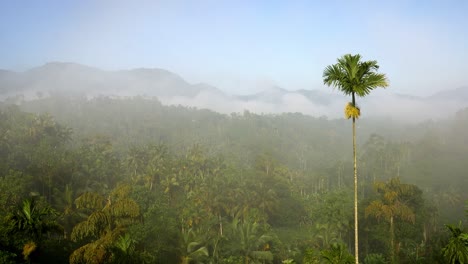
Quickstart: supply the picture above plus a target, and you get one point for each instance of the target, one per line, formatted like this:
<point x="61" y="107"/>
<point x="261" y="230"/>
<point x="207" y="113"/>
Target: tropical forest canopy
<point x="129" y="180"/>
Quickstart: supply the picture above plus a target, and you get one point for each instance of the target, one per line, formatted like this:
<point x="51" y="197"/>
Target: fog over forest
<point x="243" y="132"/>
<point x="171" y="89"/>
<point x="172" y="172"/>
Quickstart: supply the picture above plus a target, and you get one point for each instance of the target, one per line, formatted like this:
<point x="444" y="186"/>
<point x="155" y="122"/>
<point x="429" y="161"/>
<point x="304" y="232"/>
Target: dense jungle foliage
<point x="108" y="180"/>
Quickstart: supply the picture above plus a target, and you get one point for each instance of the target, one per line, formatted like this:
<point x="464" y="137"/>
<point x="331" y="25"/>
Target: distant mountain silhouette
<point x="272" y="95"/>
<point x="459" y="94"/>
<point x="5" y="73"/>
<point x="170" y="88"/>
<point x="60" y="77"/>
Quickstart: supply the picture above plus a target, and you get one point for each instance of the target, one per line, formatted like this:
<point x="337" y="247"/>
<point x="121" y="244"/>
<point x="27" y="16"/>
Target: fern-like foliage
<point x="122" y="191"/>
<point x="337" y="254"/>
<point x="33" y="220"/>
<point x="125" y="208"/>
<point x="456" y="250"/>
<point x="108" y="220"/>
<point x="92" y="253"/>
<point x="90" y="200"/>
<point x="125" y="244"/>
<point x="96" y="223"/>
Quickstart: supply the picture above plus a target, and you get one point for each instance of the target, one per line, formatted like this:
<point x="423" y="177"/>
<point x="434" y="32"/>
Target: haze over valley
<point x="72" y="79"/>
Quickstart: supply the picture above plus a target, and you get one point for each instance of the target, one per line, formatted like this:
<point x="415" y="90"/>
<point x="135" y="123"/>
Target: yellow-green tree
<point x="354" y="77"/>
<point x="107" y="221"/>
<point x="391" y="205"/>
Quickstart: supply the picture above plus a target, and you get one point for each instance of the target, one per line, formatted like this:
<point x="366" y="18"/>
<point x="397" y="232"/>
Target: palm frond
<point x="126" y="207"/>
<point x="351" y="76"/>
<point x="125" y="243"/>
<point x="90" y="200"/>
<point x="200" y="252"/>
<point x="262" y="256"/>
<point x="376" y="209"/>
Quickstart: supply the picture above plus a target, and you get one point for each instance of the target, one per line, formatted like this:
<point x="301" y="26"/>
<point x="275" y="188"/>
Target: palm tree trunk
<point x="220" y="225"/>
<point x="356" y="241"/>
<point x="392" y="240"/>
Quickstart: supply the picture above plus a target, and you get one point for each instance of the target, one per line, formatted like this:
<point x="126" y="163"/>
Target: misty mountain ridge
<point x="460" y="93"/>
<point x="171" y="89"/>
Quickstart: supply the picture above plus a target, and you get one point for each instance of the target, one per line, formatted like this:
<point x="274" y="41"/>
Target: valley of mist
<point x="71" y="79"/>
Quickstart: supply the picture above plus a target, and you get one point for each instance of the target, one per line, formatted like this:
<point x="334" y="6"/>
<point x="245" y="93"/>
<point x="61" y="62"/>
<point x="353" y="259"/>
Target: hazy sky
<point x="244" y="46"/>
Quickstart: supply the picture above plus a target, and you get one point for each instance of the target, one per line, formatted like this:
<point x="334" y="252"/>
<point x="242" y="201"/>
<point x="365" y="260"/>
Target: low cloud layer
<point x="402" y="108"/>
<point x="171" y="89"/>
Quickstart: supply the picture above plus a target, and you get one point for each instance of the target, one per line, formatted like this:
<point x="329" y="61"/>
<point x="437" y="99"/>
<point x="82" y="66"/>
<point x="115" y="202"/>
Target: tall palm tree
<point x="354" y="77"/>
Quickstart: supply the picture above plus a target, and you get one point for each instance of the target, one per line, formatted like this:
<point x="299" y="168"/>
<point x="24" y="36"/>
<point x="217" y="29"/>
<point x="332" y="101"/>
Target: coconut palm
<point x="354" y="77"/>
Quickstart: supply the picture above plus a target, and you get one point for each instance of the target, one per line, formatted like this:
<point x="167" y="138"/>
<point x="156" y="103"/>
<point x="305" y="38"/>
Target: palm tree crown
<point x="353" y="76"/>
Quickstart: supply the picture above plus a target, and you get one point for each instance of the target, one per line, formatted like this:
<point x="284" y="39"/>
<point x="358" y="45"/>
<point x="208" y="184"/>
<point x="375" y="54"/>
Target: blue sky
<point x="244" y="46"/>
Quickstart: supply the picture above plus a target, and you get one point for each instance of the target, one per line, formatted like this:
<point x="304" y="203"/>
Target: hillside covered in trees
<point x="129" y="180"/>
